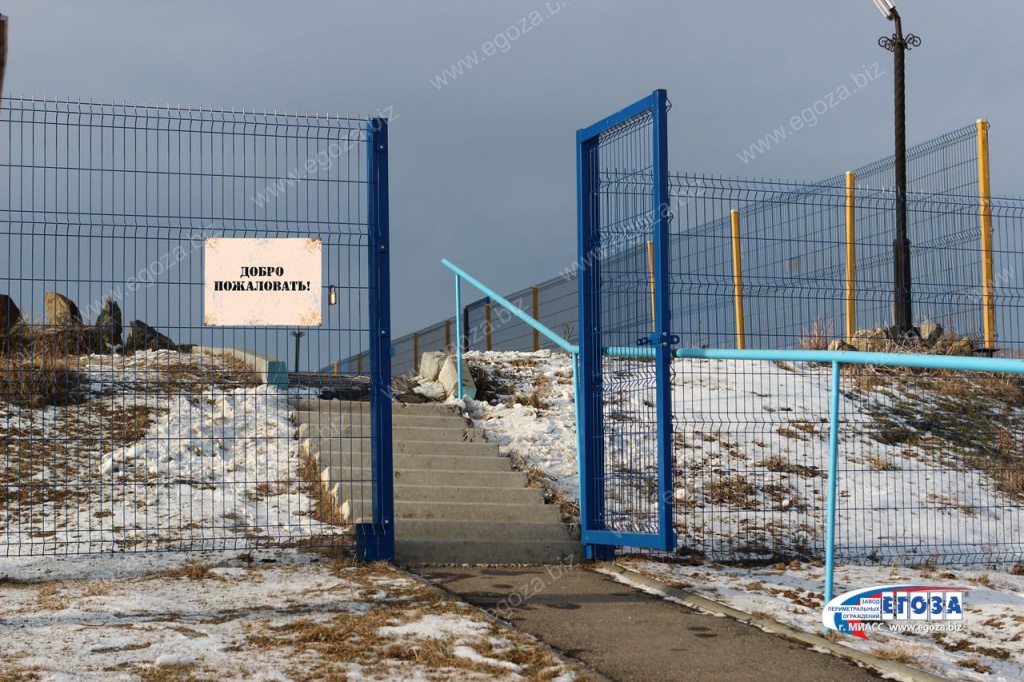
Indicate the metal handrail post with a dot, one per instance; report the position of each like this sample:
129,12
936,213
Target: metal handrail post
458,329
833,467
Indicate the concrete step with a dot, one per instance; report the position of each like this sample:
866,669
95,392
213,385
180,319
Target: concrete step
453,421
360,407
461,493
461,434
402,463
422,447
453,433
401,447
477,511
412,552
335,467
336,430
438,529
473,479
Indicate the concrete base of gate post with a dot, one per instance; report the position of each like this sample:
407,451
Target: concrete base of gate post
431,363
449,378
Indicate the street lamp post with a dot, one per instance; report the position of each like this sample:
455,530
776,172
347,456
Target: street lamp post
298,334
899,45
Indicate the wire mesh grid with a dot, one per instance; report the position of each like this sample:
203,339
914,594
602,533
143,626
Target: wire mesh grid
156,432
929,472
621,169
794,263
930,462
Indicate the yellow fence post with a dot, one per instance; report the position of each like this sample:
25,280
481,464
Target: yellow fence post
536,316
336,369
416,351
985,204
650,269
447,336
851,256
487,314
737,269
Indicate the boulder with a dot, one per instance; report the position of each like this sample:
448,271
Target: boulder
875,340
109,325
143,337
931,332
839,344
954,345
61,310
9,313
431,364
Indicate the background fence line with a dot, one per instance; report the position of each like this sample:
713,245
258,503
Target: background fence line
839,284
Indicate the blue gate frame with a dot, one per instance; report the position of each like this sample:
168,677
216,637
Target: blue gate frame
622,194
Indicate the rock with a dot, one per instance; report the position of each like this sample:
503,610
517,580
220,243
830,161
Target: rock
9,313
839,344
61,310
431,364
953,345
143,337
962,346
931,332
109,325
877,340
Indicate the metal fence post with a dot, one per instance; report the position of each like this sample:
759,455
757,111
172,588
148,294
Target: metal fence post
487,319
985,204
416,351
536,316
851,256
376,540
737,273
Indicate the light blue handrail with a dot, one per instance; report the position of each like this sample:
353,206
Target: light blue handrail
572,350
511,307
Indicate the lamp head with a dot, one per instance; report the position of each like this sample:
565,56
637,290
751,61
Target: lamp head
886,7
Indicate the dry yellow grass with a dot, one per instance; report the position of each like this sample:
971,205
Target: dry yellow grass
325,505
818,337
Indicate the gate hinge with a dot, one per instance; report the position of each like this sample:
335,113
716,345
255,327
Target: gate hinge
668,340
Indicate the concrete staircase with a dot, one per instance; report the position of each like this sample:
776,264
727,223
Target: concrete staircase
457,501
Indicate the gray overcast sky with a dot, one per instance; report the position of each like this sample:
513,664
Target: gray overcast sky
483,169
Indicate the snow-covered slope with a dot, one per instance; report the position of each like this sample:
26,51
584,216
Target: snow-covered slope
146,463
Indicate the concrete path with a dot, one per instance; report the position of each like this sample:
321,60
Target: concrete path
628,635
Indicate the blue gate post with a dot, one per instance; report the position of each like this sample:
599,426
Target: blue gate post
376,541
591,414
663,324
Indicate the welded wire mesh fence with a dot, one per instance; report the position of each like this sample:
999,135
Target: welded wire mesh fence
793,236
930,464
124,422
810,273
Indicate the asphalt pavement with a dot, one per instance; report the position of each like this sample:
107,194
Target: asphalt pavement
626,634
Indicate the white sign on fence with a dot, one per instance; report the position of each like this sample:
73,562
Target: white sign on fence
262,282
